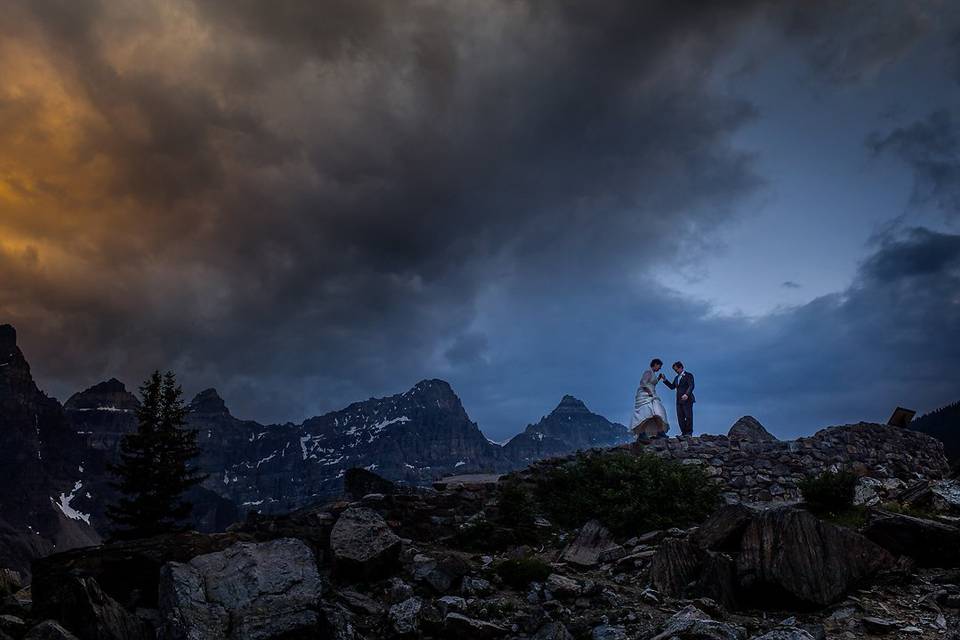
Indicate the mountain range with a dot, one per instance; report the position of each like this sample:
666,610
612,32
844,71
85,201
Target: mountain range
54,459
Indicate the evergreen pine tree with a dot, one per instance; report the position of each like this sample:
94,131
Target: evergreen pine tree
154,469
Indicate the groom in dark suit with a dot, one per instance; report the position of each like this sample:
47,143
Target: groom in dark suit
683,383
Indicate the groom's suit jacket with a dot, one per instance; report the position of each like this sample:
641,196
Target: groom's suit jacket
684,384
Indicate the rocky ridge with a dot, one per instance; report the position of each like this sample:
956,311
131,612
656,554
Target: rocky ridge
764,469
405,563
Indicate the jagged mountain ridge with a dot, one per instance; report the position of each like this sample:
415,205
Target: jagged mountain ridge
414,437
55,458
569,427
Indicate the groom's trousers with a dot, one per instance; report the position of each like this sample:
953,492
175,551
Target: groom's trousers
685,418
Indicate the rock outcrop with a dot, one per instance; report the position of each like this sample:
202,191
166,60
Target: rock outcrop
248,591
779,557
749,429
592,545
788,553
929,542
362,544
752,468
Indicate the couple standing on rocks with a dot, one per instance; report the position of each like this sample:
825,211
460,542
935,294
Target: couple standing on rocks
649,417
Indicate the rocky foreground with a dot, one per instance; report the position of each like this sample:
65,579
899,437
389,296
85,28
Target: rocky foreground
393,562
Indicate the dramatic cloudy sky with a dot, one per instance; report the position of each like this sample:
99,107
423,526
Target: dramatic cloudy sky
306,204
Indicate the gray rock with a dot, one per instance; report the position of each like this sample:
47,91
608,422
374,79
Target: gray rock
363,545
928,542
608,632
676,564
440,571
359,602
591,543
250,591
405,616
562,586
948,491
464,628
398,590
552,631
451,604
867,492
693,624
475,586
337,622
49,630
793,553
749,429
718,580
724,528
785,633
880,625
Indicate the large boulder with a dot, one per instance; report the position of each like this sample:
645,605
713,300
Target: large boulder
928,542
250,591
718,579
362,544
591,546
749,429
676,566
127,571
723,530
790,555
81,605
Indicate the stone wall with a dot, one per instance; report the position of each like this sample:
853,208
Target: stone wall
753,466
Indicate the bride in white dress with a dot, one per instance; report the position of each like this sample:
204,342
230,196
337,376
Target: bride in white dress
649,417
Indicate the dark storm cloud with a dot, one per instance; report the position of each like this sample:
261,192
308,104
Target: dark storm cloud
852,42
931,148
334,214
309,203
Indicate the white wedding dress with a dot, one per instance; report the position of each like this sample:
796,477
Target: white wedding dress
649,417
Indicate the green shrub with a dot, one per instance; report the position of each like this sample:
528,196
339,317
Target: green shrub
830,492
520,572
516,506
627,493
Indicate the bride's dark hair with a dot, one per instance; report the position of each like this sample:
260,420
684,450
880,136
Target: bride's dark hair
655,362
